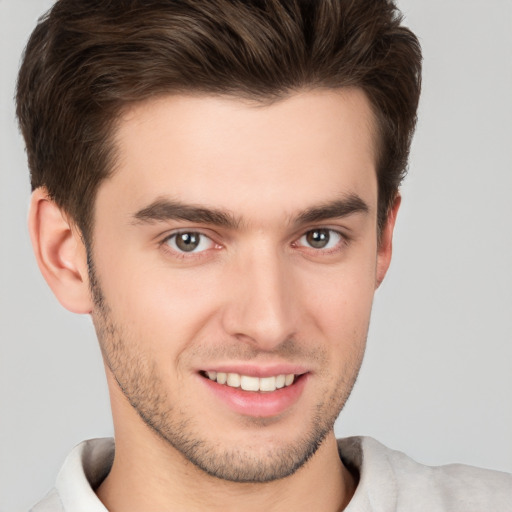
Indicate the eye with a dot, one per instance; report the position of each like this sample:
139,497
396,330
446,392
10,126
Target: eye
189,242
321,238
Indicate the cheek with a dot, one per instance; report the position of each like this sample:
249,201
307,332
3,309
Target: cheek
342,301
341,309
160,308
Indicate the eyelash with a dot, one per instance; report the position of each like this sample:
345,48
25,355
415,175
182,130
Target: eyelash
342,241
184,254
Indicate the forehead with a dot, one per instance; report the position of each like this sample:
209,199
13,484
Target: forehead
226,152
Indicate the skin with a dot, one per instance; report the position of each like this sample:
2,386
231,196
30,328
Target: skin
255,292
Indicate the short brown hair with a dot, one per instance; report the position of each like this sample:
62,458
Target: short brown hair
87,60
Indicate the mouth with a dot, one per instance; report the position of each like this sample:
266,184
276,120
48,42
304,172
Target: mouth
251,383
256,391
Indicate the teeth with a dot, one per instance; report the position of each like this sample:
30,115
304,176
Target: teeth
248,383
233,380
267,384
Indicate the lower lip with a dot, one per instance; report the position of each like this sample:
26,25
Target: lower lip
258,404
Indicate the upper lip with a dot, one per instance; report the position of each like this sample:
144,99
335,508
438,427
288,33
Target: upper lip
253,370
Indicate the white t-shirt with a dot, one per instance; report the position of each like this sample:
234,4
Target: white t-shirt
389,481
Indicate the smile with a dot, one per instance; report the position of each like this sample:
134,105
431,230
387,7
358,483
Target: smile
249,383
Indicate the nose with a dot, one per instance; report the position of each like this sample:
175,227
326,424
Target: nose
261,306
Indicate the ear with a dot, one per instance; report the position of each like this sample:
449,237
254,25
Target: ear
60,253
385,248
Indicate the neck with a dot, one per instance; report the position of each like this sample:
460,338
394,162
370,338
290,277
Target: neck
153,476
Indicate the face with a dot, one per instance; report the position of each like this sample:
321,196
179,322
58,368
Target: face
235,260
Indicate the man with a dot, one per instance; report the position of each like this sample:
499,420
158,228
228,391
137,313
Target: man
216,183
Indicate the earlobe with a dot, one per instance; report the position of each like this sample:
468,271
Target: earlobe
60,253
385,248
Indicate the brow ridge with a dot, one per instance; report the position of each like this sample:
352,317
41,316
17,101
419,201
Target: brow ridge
339,208
164,209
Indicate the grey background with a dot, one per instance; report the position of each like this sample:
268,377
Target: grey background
437,379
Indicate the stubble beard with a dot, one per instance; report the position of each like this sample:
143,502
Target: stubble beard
139,381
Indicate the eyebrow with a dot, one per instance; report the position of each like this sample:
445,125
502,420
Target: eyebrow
165,209
339,208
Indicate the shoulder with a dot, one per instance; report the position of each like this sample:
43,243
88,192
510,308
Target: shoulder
50,503
84,469
391,477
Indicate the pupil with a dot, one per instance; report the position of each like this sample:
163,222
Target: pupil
318,238
187,241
